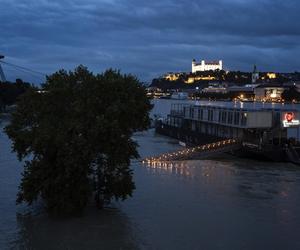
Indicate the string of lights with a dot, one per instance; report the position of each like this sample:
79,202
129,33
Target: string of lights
189,152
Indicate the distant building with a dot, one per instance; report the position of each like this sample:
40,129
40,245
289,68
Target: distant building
269,92
248,88
245,91
216,90
206,66
271,75
180,95
172,76
194,78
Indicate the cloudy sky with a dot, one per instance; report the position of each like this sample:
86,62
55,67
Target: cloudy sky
148,37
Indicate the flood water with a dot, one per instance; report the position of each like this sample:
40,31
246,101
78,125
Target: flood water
220,203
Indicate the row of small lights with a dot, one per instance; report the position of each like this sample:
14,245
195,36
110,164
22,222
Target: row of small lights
186,152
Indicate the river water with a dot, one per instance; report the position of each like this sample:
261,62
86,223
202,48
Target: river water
220,203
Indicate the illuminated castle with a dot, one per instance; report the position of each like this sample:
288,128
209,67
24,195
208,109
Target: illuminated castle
206,66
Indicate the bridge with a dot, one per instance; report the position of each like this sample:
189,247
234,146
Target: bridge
2,76
22,69
198,152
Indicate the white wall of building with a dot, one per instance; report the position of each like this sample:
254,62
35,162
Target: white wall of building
203,66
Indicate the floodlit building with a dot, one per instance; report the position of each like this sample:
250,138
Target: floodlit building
194,78
206,66
246,90
271,75
268,92
215,87
172,76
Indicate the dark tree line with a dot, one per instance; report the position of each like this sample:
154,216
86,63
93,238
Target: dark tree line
10,91
291,94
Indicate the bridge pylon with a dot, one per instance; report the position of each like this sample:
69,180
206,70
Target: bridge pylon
2,76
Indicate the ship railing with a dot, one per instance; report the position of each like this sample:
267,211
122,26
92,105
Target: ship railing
176,113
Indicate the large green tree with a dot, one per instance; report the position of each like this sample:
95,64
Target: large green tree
77,134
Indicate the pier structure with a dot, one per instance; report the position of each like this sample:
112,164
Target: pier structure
264,132
253,125
198,152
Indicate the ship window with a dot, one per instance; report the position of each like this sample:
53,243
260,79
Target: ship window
200,114
230,116
210,115
191,112
244,119
236,118
224,116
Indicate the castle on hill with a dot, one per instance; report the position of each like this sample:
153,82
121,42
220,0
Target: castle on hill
206,66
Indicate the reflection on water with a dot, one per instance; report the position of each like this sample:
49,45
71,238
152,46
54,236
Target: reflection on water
107,229
221,203
175,168
259,182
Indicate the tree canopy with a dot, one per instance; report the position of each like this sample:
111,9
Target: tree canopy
10,91
291,94
78,131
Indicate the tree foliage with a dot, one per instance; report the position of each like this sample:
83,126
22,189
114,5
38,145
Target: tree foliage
10,91
78,132
291,94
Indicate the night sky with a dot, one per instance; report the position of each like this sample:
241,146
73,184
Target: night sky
149,37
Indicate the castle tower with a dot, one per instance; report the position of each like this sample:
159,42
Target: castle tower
194,65
221,64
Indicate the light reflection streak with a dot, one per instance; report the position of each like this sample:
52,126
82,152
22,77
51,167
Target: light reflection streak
186,169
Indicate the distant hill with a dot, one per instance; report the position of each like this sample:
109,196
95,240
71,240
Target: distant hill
201,79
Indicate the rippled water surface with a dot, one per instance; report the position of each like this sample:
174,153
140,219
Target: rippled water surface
220,203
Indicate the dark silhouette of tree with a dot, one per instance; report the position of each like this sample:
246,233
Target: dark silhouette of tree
291,94
78,131
9,92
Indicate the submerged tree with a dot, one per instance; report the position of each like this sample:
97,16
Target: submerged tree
78,133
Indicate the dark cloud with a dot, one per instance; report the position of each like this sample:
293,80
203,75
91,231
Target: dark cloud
149,38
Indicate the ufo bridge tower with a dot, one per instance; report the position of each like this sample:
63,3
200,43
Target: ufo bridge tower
2,76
